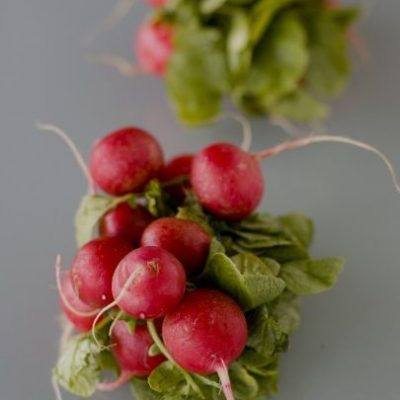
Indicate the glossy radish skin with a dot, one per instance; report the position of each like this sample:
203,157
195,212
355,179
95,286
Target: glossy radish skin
227,181
148,283
80,321
93,268
207,330
154,46
178,167
157,3
125,222
124,161
132,350
186,240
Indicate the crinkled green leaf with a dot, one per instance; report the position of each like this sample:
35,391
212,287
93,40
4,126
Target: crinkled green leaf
265,334
78,368
245,277
197,82
280,60
286,311
244,385
299,226
299,106
91,209
305,277
209,6
155,198
166,378
142,391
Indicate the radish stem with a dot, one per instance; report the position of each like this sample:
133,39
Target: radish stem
123,378
223,375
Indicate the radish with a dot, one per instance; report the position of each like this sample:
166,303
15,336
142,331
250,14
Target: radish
178,167
205,333
124,161
154,45
125,222
148,283
186,240
157,3
227,180
77,312
131,350
93,268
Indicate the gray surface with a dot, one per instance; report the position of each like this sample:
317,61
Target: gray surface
347,347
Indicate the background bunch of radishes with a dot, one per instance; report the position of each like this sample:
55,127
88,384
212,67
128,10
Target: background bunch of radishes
183,286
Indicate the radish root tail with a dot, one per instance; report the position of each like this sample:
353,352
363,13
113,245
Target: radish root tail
303,142
121,64
74,149
223,375
123,378
64,299
56,388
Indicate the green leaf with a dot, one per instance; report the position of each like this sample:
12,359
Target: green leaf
299,106
286,311
265,334
156,199
154,350
142,391
210,6
280,60
245,277
196,214
166,378
78,369
306,277
299,226
243,384
329,60
196,82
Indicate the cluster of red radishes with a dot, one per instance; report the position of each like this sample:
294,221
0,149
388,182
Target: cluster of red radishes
140,265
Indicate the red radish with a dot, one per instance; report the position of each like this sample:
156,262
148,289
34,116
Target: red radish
77,312
132,354
154,45
125,222
148,283
93,268
186,240
227,181
124,161
205,333
157,3
176,168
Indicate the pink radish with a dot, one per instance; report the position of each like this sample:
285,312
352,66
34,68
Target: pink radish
154,46
131,350
125,223
148,283
124,161
176,168
205,333
186,240
93,268
77,312
227,180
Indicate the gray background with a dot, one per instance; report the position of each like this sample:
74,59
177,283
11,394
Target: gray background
347,347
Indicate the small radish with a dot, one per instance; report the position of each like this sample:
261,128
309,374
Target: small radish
77,312
186,240
227,180
125,222
154,45
93,268
148,283
131,350
178,167
157,3
205,333
124,161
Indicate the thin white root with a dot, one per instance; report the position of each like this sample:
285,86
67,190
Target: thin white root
295,144
114,303
246,128
64,299
120,10
56,389
287,127
223,375
74,149
121,64
360,46
116,319
123,378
